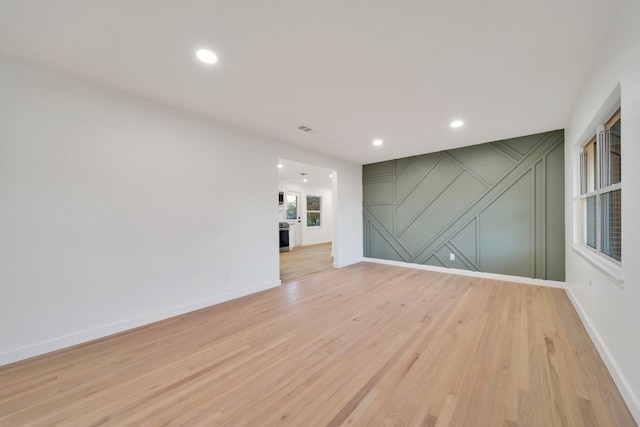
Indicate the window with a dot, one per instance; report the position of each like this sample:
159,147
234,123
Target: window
601,190
313,211
292,207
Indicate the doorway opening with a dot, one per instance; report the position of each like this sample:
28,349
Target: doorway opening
308,211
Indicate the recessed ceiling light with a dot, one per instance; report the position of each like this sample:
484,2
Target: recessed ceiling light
207,56
331,176
304,180
377,142
279,166
456,123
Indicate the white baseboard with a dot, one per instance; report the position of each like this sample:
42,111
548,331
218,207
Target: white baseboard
494,276
630,398
65,341
314,242
347,263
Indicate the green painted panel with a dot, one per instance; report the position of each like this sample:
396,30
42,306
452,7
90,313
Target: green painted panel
377,168
434,261
540,218
555,215
402,163
446,207
499,207
505,231
426,192
444,253
377,192
384,213
523,144
483,162
381,249
414,171
465,241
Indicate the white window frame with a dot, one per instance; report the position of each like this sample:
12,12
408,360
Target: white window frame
596,257
318,211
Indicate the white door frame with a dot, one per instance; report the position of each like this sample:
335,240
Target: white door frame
296,224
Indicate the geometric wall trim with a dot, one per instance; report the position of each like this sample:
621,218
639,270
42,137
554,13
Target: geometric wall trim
497,207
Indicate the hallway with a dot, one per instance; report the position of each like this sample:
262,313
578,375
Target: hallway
305,260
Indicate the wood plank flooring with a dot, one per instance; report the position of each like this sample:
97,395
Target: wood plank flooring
305,260
364,345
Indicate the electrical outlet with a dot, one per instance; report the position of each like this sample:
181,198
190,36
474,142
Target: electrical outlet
227,279
452,257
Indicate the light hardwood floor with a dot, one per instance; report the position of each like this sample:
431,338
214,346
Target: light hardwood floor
305,260
364,345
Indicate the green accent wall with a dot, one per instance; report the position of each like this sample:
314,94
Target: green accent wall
498,207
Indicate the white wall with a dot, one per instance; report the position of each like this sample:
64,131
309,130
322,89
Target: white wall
116,211
315,235
610,310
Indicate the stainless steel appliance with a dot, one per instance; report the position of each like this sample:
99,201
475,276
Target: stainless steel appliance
283,228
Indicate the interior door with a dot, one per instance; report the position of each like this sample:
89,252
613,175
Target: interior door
294,204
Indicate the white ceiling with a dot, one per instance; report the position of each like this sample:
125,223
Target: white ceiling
293,171
353,70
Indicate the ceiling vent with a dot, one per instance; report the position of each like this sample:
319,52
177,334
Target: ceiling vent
305,129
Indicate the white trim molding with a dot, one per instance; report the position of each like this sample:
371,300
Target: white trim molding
348,263
85,336
610,268
493,276
630,398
